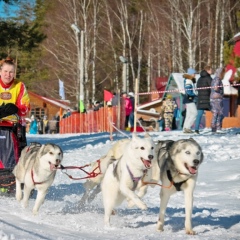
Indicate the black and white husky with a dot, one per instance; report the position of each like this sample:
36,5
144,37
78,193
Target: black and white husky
179,162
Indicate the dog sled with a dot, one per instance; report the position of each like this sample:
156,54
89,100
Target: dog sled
12,141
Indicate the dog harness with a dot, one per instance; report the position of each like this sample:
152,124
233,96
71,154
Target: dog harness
134,179
176,185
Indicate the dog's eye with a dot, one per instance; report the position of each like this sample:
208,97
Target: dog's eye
187,152
142,148
152,148
51,153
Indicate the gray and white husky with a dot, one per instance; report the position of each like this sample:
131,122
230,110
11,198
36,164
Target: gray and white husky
36,169
179,162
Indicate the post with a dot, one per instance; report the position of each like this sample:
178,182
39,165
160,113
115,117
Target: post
80,55
135,105
81,90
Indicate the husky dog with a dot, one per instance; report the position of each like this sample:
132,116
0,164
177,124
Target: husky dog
122,176
36,169
92,185
179,162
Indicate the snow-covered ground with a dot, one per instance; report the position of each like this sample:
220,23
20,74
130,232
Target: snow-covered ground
216,213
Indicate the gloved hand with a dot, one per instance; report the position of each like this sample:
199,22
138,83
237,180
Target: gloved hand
8,109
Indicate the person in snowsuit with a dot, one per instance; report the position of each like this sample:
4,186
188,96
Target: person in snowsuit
167,110
216,100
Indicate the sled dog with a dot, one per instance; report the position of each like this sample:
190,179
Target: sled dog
122,176
179,162
92,185
36,169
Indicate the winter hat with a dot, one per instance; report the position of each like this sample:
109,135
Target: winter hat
131,94
191,71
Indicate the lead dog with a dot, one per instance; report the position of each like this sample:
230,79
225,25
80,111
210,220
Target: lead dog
122,177
179,162
36,169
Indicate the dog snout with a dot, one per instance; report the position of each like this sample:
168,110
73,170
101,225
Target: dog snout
150,157
196,162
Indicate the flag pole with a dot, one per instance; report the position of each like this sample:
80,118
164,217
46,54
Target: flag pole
135,105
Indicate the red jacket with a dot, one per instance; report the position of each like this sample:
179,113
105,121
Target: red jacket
128,106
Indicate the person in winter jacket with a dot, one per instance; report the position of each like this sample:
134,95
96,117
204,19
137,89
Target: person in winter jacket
128,107
203,99
131,116
167,109
216,100
14,98
14,103
189,100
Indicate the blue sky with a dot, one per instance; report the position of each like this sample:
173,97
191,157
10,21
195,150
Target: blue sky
7,10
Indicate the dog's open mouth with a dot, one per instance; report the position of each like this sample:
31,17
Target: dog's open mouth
192,170
53,167
147,163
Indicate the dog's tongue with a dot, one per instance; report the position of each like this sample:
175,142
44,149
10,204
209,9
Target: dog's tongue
192,170
147,163
52,167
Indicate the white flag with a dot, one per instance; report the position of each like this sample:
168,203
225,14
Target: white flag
61,89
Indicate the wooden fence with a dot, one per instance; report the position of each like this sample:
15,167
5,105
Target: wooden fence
93,121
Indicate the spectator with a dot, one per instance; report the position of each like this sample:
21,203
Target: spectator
115,99
67,113
40,125
128,108
216,100
33,125
167,109
45,125
203,99
97,106
131,116
189,100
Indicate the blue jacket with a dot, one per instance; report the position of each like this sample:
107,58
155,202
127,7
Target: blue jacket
189,95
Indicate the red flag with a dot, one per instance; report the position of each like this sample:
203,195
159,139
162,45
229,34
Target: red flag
107,95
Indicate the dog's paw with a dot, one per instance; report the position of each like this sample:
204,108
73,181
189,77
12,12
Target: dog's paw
143,206
18,197
24,204
190,232
160,227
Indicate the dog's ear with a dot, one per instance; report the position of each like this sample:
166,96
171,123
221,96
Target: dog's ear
134,141
147,135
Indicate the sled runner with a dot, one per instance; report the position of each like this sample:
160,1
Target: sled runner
12,141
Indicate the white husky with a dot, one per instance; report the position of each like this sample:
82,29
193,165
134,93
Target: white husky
92,185
123,176
36,169
179,162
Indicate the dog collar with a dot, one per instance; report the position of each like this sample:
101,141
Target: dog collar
176,185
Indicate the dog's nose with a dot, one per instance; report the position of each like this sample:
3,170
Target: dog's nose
58,161
150,157
196,161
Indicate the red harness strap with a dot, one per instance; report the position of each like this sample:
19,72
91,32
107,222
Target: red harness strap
91,174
